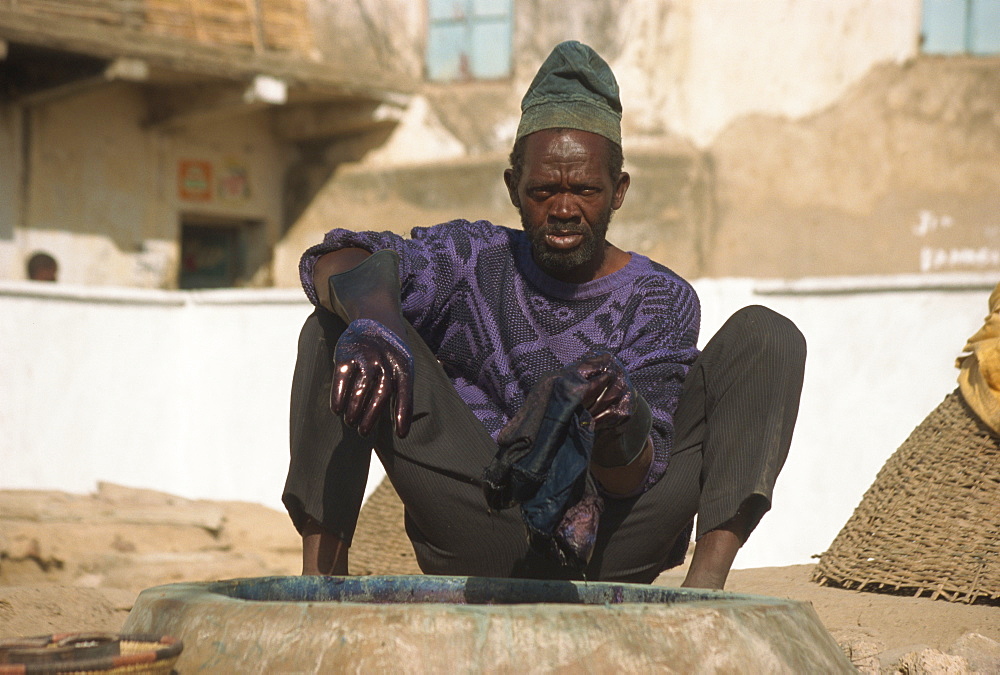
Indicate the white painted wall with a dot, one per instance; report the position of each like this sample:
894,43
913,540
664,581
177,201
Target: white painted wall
187,392
880,358
694,66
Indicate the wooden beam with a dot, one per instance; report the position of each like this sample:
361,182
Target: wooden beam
178,107
319,121
170,53
257,23
185,106
121,69
266,89
127,69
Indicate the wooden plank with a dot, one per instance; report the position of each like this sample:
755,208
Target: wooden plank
257,30
312,122
111,12
286,25
321,80
170,17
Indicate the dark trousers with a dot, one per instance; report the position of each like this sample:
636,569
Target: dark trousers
733,427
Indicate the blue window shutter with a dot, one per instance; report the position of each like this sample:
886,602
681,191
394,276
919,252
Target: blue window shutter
445,48
984,27
469,39
454,10
491,49
944,26
497,8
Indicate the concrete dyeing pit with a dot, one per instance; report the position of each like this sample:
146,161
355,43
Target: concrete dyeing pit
472,624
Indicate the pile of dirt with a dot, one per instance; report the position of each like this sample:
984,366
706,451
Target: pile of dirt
130,539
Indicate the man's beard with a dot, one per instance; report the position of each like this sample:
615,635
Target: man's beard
589,249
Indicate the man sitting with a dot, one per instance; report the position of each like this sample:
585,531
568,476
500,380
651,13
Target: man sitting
541,368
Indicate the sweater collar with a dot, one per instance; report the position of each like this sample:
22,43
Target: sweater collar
570,291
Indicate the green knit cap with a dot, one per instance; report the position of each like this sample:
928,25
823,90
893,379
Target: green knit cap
575,89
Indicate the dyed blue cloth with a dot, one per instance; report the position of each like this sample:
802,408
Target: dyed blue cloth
497,322
542,466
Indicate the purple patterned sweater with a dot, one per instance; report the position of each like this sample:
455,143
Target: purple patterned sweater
497,322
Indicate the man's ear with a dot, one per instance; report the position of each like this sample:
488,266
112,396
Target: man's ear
508,179
621,187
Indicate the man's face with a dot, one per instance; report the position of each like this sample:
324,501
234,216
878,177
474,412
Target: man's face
566,197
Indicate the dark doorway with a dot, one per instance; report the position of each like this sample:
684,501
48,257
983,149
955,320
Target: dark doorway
214,254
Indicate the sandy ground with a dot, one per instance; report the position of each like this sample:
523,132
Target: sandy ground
74,563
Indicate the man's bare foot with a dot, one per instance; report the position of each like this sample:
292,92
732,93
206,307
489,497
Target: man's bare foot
713,557
716,549
322,552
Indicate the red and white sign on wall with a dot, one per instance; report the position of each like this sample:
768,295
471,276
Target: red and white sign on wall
234,181
194,180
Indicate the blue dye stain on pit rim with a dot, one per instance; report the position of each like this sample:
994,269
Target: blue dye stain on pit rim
458,590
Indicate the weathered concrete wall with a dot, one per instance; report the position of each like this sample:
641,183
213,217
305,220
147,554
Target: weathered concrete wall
663,217
104,194
689,68
396,199
89,190
694,66
102,160
751,153
376,36
899,176
762,196
10,200
187,392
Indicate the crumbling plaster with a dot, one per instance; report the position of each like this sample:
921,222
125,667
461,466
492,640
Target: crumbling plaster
379,37
10,182
900,175
694,66
791,165
688,68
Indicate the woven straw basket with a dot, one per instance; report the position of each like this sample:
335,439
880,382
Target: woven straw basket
380,544
93,653
930,523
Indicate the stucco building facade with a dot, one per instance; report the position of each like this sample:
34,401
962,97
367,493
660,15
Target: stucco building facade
166,144
783,138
